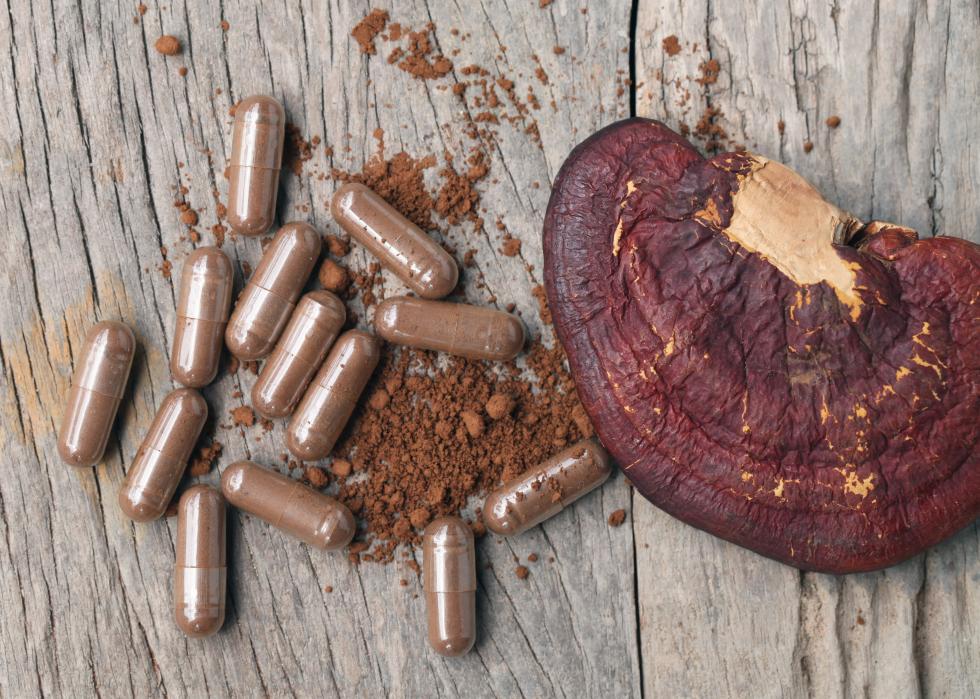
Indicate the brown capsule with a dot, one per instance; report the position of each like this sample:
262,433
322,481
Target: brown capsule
256,157
288,505
162,457
270,295
329,401
449,570
200,576
96,389
546,489
402,247
312,328
457,328
202,313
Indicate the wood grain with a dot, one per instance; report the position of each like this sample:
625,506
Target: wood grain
716,620
97,132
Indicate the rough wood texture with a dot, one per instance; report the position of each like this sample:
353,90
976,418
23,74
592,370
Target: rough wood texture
97,132
93,127
716,620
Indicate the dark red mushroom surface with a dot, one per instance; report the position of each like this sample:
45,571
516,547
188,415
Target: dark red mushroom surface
761,364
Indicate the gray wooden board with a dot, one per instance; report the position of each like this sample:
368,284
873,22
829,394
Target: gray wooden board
716,620
93,125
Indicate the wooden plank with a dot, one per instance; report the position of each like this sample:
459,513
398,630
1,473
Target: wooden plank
96,133
717,620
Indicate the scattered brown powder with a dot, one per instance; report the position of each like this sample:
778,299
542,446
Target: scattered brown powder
418,59
807,146
333,277
511,247
709,72
188,217
167,45
833,121
206,456
224,25
338,247
182,71
541,296
316,477
671,45
367,29
617,518
522,572
340,468
297,150
242,416
429,450
500,405
532,558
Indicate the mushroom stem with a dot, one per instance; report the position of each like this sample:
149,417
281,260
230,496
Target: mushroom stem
782,217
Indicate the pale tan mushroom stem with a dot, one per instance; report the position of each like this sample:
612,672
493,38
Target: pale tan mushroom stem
783,218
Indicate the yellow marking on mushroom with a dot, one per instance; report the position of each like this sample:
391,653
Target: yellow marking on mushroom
746,476
860,411
902,373
854,484
669,347
778,490
616,236
709,214
916,359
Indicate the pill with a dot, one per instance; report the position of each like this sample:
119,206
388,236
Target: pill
256,157
546,489
329,401
160,461
449,570
202,313
263,309
200,576
401,246
96,390
288,505
456,328
312,329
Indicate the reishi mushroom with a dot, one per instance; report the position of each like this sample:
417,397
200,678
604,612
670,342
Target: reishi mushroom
763,365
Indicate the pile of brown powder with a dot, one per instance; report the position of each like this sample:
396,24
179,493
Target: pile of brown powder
430,436
400,182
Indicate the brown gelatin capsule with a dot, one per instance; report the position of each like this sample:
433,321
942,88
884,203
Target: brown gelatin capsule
96,389
202,313
401,246
288,505
329,401
546,489
256,157
270,295
457,328
449,570
200,576
312,328
162,457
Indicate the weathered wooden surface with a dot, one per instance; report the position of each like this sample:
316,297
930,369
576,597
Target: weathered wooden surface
93,124
716,620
